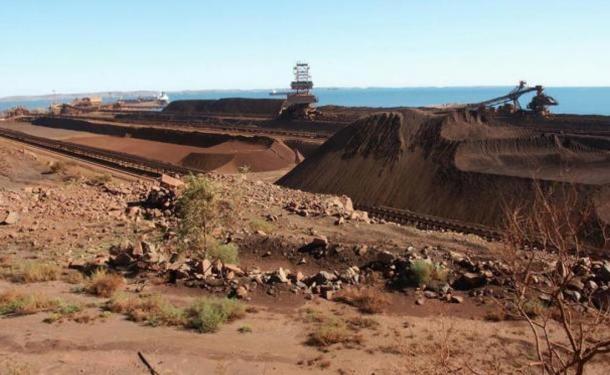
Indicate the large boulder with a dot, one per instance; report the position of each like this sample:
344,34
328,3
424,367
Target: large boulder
469,280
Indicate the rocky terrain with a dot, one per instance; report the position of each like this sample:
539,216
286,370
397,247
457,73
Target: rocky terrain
325,288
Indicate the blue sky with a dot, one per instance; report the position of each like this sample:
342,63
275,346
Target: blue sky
102,45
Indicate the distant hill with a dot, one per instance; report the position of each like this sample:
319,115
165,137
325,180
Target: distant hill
68,97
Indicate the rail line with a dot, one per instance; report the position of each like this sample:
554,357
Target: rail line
429,222
130,163
203,125
152,168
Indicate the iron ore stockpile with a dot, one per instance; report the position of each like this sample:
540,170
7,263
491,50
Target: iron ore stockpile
461,165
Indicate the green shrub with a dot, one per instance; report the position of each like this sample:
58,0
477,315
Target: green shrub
198,210
422,272
207,314
226,253
262,225
154,310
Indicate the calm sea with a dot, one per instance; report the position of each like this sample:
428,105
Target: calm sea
576,100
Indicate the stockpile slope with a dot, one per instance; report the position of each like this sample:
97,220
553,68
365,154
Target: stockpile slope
229,107
406,159
204,151
231,157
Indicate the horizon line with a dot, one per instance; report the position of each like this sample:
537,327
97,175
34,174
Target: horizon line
25,96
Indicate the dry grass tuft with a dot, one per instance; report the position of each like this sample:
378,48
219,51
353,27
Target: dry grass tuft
17,303
11,367
73,277
333,331
366,300
57,167
154,310
33,272
204,314
100,179
330,329
104,284
356,323
64,311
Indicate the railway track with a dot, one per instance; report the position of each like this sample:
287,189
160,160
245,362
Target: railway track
152,168
202,125
429,222
130,163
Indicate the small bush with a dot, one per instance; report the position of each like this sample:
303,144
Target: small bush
100,179
244,329
357,323
534,308
57,167
207,314
10,367
104,284
62,311
33,272
332,331
244,169
73,277
226,253
262,225
16,303
422,272
366,300
198,211
496,314
154,310
313,316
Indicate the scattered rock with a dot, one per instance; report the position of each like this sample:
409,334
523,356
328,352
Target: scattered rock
170,182
235,269
280,274
241,292
11,218
319,241
604,272
361,249
430,294
601,299
386,257
456,299
469,280
204,268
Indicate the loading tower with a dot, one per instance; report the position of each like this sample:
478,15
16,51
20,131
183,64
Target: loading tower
299,101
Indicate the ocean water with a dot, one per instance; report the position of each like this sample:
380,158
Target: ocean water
575,100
